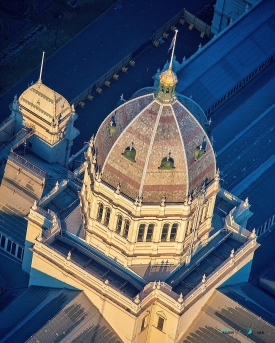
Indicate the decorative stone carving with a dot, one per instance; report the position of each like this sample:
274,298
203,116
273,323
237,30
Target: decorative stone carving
98,176
39,237
138,200
34,206
118,188
217,175
180,299
253,235
94,160
137,299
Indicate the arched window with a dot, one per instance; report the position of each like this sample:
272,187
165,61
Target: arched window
107,216
126,228
164,232
173,233
100,211
141,232
119,223
150,232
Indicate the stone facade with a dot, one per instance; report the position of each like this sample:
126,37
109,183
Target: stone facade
51,118
150,186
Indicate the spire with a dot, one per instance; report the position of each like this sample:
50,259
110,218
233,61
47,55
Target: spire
168,79
41,68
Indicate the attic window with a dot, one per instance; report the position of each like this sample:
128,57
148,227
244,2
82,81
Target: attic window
199,152
130,153
167,163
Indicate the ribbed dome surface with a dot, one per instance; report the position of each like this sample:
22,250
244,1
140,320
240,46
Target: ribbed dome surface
151,152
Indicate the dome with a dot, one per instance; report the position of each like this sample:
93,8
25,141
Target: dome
168,78
44,102
155,149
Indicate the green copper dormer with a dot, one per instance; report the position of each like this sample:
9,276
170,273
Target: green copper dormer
167,163
112,127
130,153
165,92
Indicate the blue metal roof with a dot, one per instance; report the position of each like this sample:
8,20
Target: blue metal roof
230,57
43,314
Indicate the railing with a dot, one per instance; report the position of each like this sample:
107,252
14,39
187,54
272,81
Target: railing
216,274
264,227
152,291
27,165
158,34
239,85
47,198
195,265
5,123
44,213
100,82
84,276
198,24
25,135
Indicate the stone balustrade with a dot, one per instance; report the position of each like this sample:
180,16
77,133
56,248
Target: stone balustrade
53,193
220,271
153,290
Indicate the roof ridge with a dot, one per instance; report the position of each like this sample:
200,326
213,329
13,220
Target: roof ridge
183,148
150,150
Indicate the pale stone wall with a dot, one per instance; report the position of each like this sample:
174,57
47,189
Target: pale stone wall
129,250
124,314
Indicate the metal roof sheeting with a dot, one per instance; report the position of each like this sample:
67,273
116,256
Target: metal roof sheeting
229,58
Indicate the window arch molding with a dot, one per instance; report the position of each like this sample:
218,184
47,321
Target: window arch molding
100,208
103,213
169,231
146,231
107,215
122,225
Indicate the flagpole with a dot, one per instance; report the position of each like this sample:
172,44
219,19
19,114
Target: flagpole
41,68
171,61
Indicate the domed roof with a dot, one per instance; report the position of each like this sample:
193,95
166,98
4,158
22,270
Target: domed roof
168,78
44,102
154,149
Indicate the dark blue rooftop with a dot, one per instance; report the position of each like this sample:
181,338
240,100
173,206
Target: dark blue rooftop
230,57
